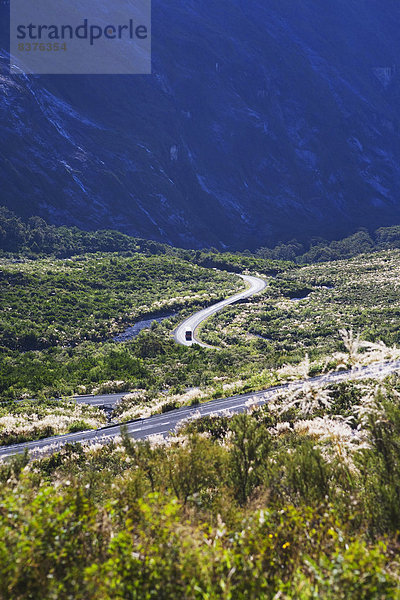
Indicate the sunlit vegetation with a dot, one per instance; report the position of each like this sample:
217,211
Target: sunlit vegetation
32,419
290,501
296,500
300,313
303,309
48,303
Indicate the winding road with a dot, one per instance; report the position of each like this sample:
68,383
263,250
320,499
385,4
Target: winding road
256,285
166,423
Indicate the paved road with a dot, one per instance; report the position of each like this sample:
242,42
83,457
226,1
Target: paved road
256,285
166,423
107,401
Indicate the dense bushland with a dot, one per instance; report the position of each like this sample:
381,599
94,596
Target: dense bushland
320,250
63,307
304,308
51,302
35,237
248,507
298,500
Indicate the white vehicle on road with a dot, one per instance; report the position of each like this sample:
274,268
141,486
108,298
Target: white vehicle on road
190,325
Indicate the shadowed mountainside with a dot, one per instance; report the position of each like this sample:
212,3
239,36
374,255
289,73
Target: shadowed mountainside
261,120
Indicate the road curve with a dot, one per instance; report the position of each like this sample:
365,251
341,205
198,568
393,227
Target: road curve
192,323
166,423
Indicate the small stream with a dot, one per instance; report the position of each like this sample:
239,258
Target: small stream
299,298
308,293
133,331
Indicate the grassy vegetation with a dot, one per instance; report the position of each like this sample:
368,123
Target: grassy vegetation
49,303
298,500
63,306
32,419
304,309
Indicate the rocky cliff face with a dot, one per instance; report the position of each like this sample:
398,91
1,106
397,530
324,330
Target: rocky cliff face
263,120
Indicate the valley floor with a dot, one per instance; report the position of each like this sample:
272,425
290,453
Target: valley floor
297,497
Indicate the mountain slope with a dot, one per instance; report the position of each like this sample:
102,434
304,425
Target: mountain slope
263,120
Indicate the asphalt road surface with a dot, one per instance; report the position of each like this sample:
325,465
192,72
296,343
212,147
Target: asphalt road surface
256,285
166,423
101,401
